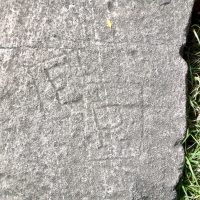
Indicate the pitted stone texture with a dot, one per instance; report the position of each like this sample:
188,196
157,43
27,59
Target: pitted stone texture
87,111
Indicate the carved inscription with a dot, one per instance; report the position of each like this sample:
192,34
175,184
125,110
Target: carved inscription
108,117
113,123
108,124
68,75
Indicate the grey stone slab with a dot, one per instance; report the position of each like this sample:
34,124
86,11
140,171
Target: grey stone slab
87,111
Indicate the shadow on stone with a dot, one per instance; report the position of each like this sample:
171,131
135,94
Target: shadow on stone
188,53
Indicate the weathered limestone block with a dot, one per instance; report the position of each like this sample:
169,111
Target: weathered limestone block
88,111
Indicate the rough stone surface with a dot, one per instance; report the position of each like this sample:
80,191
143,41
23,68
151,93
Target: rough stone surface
90,112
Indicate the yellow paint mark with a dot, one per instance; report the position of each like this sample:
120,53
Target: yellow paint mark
109,23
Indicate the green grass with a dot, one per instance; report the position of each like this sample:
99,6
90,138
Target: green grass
189,184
